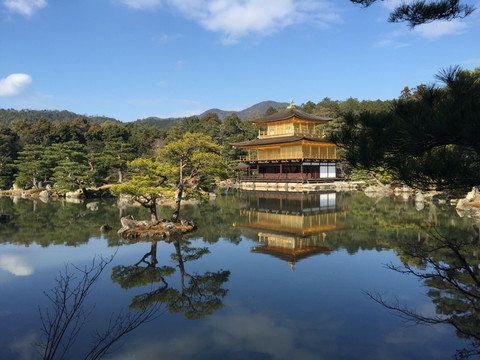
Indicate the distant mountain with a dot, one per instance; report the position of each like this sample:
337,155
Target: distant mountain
9,115
252,111
56,116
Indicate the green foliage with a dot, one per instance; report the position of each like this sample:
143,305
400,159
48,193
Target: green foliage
30,166
115,156
427,139
8,153
422,12
69,164
58,222
147,183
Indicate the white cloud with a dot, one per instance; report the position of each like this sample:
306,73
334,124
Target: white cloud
440,28
16,264
392,4
239,18
24,7
235,19
142,4
393,39
15,84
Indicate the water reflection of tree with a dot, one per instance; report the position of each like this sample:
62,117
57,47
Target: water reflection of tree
448,262
198,294
57,222
68,314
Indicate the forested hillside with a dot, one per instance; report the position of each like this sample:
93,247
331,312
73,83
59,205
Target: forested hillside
81,152
7,116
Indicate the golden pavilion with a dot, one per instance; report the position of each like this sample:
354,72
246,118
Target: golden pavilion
289,148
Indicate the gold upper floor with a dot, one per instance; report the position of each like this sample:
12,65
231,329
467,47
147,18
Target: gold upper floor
290,128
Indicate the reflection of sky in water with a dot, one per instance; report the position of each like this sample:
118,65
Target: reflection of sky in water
18,265
317,311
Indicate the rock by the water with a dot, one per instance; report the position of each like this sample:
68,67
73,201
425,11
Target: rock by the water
128,222
132,229
105,228
470,206
472,195
74,194
419,197
93,206
45,194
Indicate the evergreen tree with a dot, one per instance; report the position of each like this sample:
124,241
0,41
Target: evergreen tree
419,12
427,139
8,152
188,159
116,155
71,168
31,167
147,184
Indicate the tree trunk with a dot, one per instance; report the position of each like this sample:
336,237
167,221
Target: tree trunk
178,201
120,176
153,211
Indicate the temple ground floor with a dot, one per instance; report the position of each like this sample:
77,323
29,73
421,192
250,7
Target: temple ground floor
289,175
305,170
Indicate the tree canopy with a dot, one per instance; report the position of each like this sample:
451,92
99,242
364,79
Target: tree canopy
419,12
429,138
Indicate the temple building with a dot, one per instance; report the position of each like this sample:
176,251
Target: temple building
289,149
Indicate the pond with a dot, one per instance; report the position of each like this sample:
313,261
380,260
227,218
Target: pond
265,276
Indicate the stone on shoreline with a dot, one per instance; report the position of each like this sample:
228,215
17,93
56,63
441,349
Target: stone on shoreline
470,205
133,229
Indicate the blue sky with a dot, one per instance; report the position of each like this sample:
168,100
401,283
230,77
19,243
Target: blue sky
131,59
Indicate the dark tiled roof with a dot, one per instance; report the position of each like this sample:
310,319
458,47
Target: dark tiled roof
278,140
290,113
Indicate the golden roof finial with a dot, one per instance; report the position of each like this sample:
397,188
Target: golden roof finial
291,106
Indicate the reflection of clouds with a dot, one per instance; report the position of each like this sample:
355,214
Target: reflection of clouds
16,264
409,335
239,335
24,347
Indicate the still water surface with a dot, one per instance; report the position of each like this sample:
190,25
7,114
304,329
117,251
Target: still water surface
265,276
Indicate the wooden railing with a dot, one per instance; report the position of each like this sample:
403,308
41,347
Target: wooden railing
262,134
307,178
248,158
299,155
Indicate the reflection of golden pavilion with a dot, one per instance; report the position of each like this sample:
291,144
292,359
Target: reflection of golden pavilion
291,226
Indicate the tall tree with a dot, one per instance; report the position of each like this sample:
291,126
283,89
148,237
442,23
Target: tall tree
427,139
189,158
71,168
147,184
8,152
116,155
30,166
417,12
